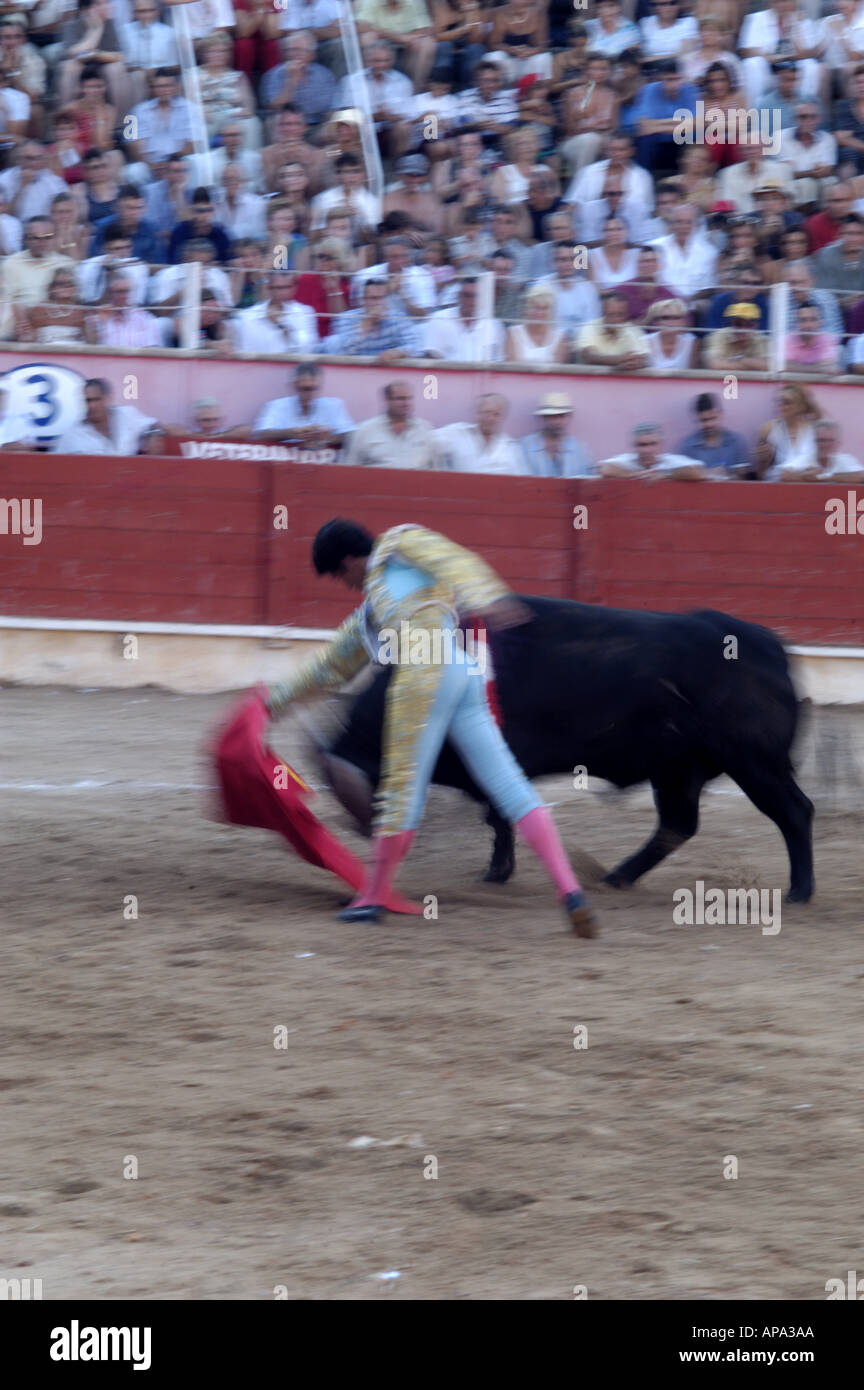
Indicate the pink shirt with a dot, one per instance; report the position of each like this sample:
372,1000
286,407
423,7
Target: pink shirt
816,347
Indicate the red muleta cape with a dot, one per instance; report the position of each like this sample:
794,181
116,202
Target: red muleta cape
248,773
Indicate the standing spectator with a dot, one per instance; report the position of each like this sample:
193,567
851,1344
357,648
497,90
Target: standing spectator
612,341
809,348
713,445
306,418
458,335
552,451
482,447
396,439
280,324
370,331
28,274
106,428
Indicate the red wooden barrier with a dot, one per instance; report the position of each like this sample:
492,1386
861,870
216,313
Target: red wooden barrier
145,539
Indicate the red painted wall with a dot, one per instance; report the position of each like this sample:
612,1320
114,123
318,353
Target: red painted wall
146,539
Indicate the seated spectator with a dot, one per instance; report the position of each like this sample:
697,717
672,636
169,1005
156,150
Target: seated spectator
740,346
200,225
14,112
576,298
439,262
809,348
556,230
63,157
411,289
391,98
829,463
285,245
22,65
290,146
636,182
612,33
96,119
614,261
741,249
147,44
256,47
794,248
648,461
93,274
106,428
11,232
710,50
537,339
280,324
27,275
396,439
849,125
482,447
307,418
504,223
688,260
97,193
612,341
799,277
231,150
810,152
72,237
60,319
748,290
27,186
552,451
592,217
327,287
90,36
738,183
840,266
791,437
349,192
711,444
667,32
459,335
758,42
299,80
369,331
436,113
588,113
508,286
16,430
168,285
490,107
510,182
225,94
413,196
696,178
408,25
568,65
543,200
776,216
161,126
213,331
166,202
826,226
130,220
459,33
520,32
646,287
671,348
241,213
119,323
658,115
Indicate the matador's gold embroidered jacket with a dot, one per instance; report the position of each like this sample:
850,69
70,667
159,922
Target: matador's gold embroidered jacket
458,580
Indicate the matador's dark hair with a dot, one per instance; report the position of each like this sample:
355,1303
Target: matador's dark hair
339,540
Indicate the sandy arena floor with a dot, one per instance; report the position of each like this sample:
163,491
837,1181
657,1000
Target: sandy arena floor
451,1038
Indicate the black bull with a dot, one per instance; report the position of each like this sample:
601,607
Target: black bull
674,700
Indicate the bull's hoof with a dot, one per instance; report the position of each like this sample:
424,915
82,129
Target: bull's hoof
616,880
371,913
580,915
494,874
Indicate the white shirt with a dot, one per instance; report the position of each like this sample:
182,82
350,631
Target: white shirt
126,424
687,269
17,106
830,31
666,464
761,31
317,14
801,453
445,334
165,283
363,204
16,429
285,413
462,448
374,445
418,287
823,151
841,464
149,45
164,131
92,278
679,358
736,183
250,160
663,43
207,15
10,234
254,332
576,301
636,184
248,217
393,92
37,197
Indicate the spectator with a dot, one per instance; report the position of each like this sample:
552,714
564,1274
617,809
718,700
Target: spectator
200,226
411,289
436,111
168,285
614,262
407,24
22,66
552,451
508,287
28,274
658,115
213,332
520,31
459,33
307,418
849,125
349,192
119,324
130,220
391,98
611,33
635,182
232,150
740,346
327,288
72,237
413,196
666,33
738,183
161,126
241,213
511,181
27,186
60,319
576,299
748,289
809,348
711,52
300,81
482,447
840,266
93,274
568,65
790,438
711,444
670,348
645,288
782,30
488,108
537,339
459,335
97,194
829,463
589,113
826,226
648,461
280,324
369,331
688,261
225,94
504,237
285,246
612,341
96,119
810,152
147,44
166,202
396,439
209,423
801,291
90,35
557,230
106,428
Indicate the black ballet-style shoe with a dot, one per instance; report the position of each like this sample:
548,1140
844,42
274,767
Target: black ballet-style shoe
580,914
372,913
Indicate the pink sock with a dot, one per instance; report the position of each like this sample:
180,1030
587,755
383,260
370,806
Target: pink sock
538,829
388,851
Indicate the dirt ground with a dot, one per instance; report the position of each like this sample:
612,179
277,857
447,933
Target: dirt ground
450,1040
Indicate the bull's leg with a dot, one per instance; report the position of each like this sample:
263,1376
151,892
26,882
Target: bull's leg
677,805
503,860
781,799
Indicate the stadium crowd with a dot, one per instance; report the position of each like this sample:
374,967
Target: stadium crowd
619,183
